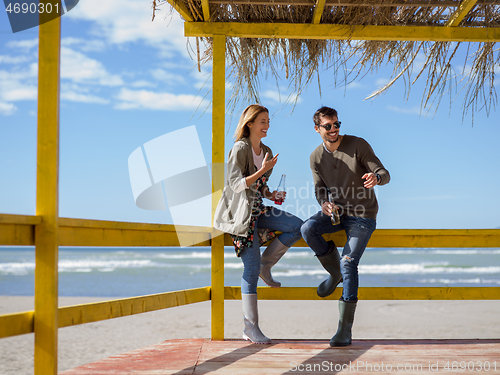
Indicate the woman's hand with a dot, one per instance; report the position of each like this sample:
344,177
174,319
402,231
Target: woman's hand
281,195
268,164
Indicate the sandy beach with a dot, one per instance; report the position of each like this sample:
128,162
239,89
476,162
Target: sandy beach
278,319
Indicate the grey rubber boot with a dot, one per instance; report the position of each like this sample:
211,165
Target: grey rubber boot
343,337
331,263
269,258
252,331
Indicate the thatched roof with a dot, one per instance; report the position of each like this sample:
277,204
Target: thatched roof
447,22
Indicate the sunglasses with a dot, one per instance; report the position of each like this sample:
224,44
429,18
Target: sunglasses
329,126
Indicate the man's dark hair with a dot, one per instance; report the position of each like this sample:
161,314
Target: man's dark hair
323,112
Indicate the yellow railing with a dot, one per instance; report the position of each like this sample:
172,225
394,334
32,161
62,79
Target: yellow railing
19,230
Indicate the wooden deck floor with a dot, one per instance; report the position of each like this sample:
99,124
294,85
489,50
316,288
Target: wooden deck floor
203,356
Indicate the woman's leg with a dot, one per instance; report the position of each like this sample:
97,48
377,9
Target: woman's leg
251,268
275,219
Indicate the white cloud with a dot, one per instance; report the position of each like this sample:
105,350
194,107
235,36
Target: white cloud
168,77
73,96
7,108
79,68
125,21
23,44
5,59
409,111
84,45
19,84
142,83
277,97
143,99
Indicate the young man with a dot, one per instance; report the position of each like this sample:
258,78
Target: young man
345,170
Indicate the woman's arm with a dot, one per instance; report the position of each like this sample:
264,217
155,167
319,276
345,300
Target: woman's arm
266,165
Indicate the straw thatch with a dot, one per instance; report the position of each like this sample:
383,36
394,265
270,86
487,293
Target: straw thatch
448,67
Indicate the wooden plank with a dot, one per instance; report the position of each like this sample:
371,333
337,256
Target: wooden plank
340,3
94,312
182,9
299,356
17,234
318,11
16,324
374,293
343,32
47,195
462,10
20,219
218,157
206,10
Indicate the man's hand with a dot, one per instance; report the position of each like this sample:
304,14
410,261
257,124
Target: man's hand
327,208
371,180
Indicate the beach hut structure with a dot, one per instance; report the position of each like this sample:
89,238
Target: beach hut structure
235,28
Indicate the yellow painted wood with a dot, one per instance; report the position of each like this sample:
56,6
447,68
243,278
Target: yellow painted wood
328,31
20,219
366,293
206,10
218,132
462,10
181,7
16,324
22,323
80,232
47,186
94,312
418,238
318,11
17,234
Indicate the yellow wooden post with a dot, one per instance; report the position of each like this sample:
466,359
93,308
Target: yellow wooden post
218,126
46,233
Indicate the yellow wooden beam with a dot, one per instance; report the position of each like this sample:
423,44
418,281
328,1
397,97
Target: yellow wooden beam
375,293
16,324
206,10
328,31
47,198
22,323
183,10
418,238
80,232
318,11
94,312
218,132
462,10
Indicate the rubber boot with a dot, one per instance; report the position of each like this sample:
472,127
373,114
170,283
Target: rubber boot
269,258
343,337
331,263
252,331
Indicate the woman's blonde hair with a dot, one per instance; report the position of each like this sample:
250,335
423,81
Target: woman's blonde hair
249,115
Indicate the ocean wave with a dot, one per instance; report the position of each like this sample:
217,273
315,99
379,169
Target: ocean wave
411,268
475,281
444,251
18,269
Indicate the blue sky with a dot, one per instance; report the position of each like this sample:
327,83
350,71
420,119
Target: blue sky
126,80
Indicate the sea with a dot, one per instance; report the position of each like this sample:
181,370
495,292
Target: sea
128,272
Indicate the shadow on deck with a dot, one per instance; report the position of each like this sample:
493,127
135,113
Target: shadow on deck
203,356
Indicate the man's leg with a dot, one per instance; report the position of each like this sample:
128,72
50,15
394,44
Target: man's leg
359,231
327,253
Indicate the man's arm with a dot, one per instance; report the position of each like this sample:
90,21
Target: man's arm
372,164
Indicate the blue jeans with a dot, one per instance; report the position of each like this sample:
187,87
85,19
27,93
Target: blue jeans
358,231
274,219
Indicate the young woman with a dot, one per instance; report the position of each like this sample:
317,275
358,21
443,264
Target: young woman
242,214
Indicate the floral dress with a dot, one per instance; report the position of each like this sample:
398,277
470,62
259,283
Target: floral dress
240,242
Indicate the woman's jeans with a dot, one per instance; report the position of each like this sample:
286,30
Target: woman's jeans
274,219
358,231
